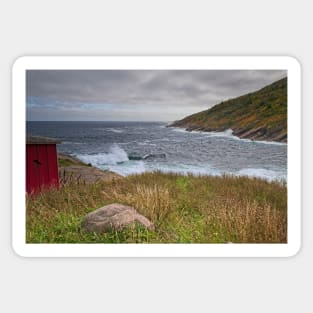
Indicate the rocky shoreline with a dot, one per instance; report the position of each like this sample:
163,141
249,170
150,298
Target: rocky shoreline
72,169
258,133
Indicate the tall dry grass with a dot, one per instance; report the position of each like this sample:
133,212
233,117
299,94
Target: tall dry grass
151,201
200,209
245,222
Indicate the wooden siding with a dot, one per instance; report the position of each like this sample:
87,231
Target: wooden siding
41,167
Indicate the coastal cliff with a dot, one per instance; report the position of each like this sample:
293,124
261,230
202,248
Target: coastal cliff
259,115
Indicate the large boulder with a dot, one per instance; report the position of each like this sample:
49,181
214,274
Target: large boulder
114,216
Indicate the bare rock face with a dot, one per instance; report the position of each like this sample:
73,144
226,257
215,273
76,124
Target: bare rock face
114,216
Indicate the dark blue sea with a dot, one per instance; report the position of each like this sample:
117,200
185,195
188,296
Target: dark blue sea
136,147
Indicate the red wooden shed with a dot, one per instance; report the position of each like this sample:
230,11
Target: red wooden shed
41,164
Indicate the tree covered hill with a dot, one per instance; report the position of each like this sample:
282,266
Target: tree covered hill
259,115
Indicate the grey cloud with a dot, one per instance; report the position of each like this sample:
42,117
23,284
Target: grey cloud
174,93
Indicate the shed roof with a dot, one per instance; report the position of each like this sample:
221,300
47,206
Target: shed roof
41,140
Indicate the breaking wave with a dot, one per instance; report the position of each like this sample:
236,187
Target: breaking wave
115,155
127,168
114,130
227,133
117,160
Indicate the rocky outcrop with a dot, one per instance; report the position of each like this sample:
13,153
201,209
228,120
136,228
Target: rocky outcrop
114,216
85,174
261,133
72,169
154,156
147,156
258,133
260,115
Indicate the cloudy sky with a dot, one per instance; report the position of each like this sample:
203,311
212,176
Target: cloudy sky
134,95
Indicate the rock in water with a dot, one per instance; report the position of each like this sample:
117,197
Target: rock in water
114,216
154,156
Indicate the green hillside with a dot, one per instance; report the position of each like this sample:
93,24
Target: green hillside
259,115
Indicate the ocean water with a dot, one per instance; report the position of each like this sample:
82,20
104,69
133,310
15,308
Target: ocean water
136,147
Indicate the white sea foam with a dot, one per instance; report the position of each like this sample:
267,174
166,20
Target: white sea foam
127,168
114,130
185,169
146,143
116,160
140,166
259,141
269,175
180,130
270,142
227,133
115,155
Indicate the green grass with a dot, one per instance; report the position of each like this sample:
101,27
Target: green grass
184,209
68,162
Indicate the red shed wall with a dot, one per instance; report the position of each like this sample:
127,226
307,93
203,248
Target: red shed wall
41,167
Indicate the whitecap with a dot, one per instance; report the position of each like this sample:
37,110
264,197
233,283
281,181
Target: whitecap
146,143
227,133
184,169
115,155
114,130
127,168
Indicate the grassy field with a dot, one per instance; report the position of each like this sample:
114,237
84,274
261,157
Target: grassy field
185,209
